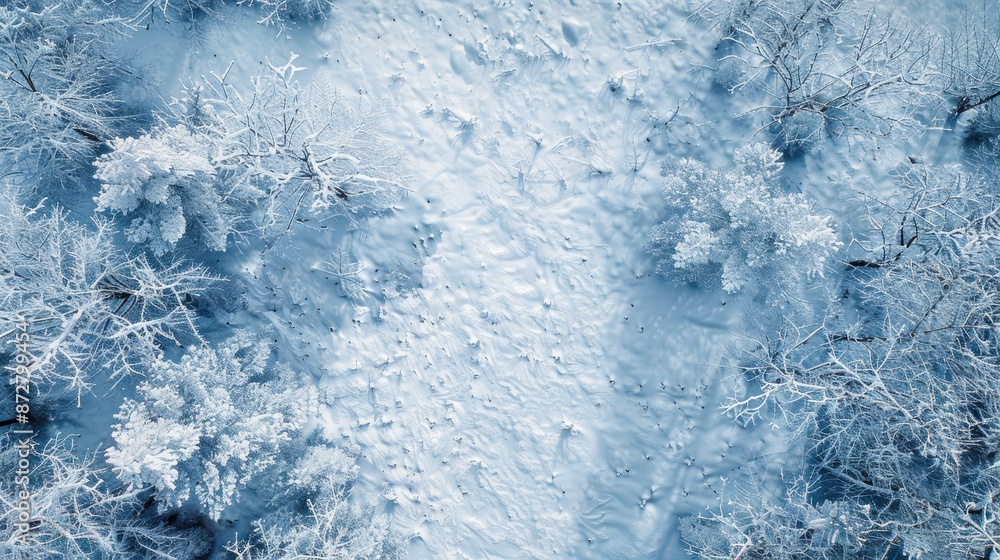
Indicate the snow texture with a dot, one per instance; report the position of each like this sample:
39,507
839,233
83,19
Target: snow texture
519,381
445,223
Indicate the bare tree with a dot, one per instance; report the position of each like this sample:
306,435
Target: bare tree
299,146
970,64
894,392
756,521
280,12
90,308
73,514
182,10
57,102
332,528
826,67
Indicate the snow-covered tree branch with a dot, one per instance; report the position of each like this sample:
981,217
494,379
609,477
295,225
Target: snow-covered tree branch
75,515
166,185
280,12
332,528
299,146
827,68
326,524
970,63
91,308
894,393
57,101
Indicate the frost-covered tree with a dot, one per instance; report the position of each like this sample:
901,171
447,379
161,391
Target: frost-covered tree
326,525
298,145
826,66
57,100
169,10
165,185
279,12
894,393
332,528
788,523
90,308
74,514
206,425
220,151
322,467
737,225
970,63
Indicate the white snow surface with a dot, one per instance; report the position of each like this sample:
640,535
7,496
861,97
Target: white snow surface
521,384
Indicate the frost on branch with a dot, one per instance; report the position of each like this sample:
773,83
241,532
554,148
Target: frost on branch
76,515
322,467
298,145
169,188
57,99
737,226
179,10
313,516
825,67
279,12
150,448
331,528
970,63
164,183
752,522
893,395
205,426
317,518
90,308
325,524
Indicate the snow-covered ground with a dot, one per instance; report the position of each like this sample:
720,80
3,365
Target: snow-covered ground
521,384
496,353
